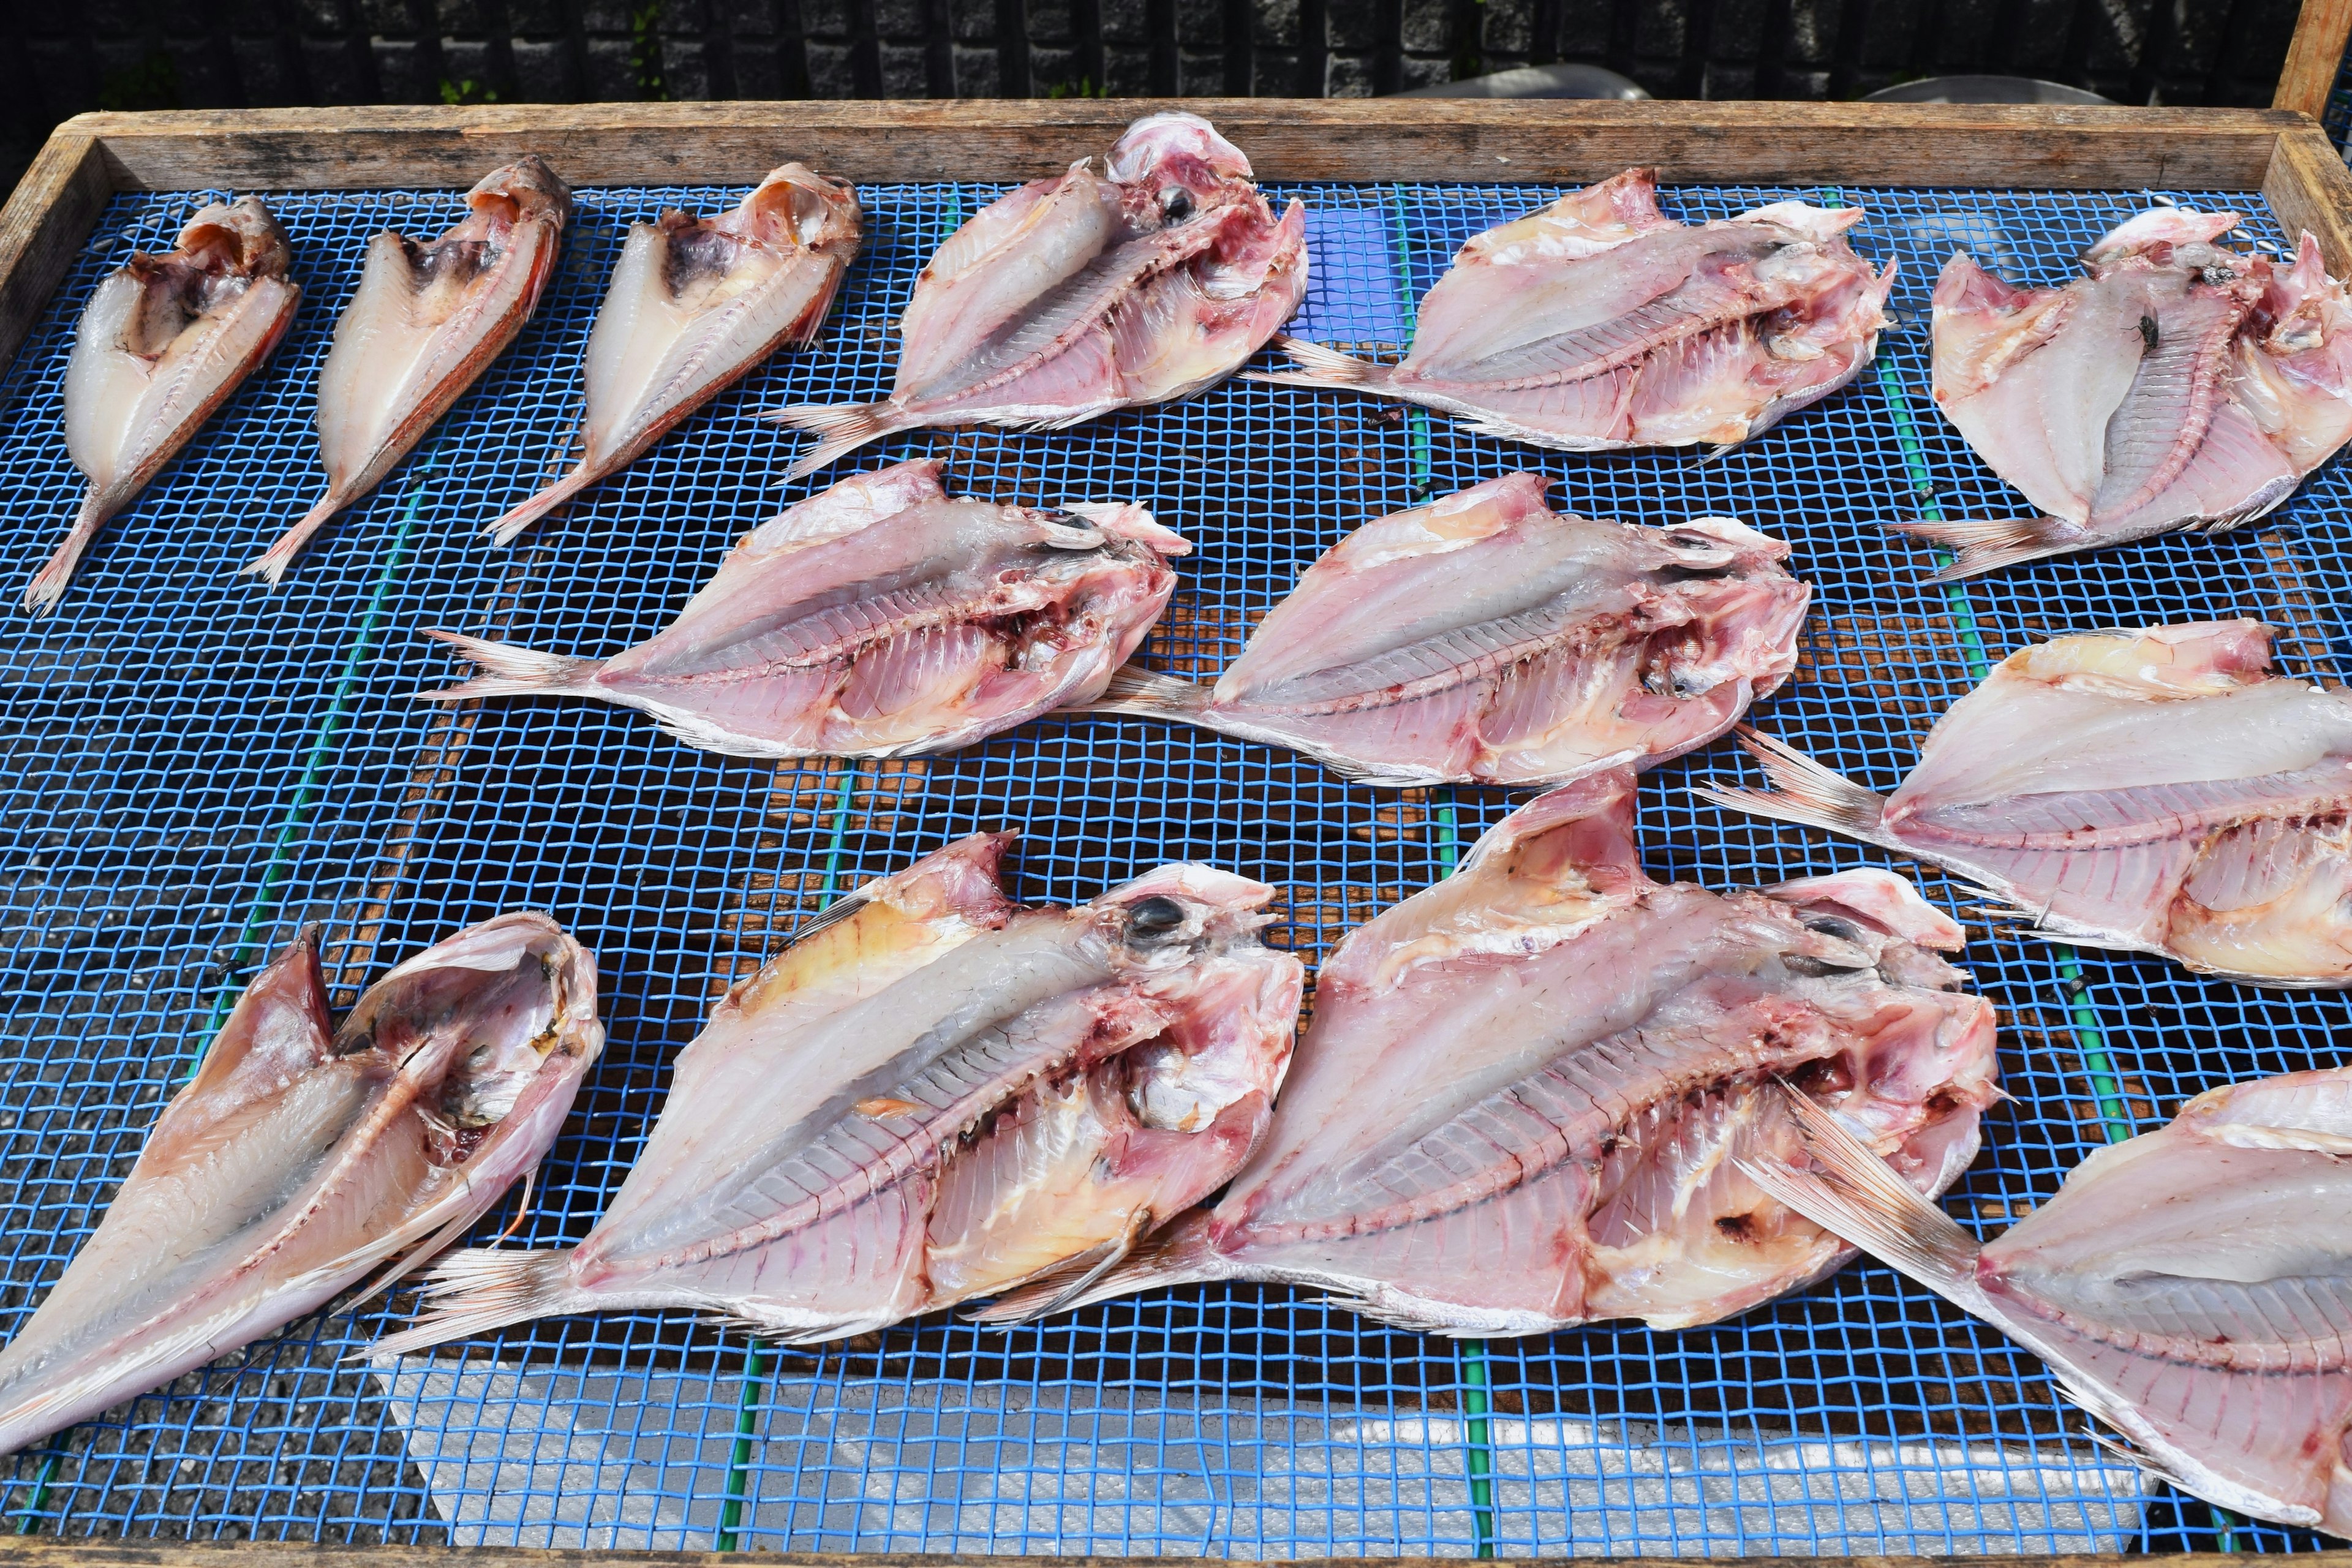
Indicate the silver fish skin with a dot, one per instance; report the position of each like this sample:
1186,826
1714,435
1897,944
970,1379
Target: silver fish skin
2177,386
881,618
301,1157
2190,1287
1599,322
1520,1101
934,1094
2153,791
427,320
1081,294
1482,638
165,339
694,305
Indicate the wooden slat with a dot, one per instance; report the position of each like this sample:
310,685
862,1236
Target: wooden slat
1437,139
2308,187
2314,58
44,225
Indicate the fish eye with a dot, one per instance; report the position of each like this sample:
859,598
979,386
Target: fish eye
1155,916
1832,925
1177,204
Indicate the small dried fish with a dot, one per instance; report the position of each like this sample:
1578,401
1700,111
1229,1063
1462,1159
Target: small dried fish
1482,638
164,340
1601,322
934,1094
1076,295
2190,1287
300,1158
426,321
695,304
2158,791
1520,1101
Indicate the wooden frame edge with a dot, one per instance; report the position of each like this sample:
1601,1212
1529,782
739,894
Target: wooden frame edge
2314,57
48,219
2309,188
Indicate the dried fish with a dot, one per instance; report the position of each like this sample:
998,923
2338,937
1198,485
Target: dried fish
426,321
1484,639
164,340
934,1094
880,619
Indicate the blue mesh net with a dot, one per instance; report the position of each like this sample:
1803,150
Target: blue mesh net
199,765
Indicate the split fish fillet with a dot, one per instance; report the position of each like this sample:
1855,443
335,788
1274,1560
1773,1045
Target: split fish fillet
2158,791
1522,1098
303,1156
1482,638
1080,294
165,339
934,1094
695,304
2191,1287
878,619
2179,386
1601,322
426,321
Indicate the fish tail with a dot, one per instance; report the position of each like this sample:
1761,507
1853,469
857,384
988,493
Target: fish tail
505,530
509,669
482,1289
1320,366
840,428
1989,545
48,584
1804,791
1181,1255
1150,696
271,563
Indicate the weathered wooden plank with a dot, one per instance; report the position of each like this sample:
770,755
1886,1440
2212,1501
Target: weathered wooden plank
2314,57
2308,187
34,1552
43,227
1946,145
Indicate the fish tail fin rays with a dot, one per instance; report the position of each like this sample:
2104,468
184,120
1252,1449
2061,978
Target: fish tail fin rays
48,584
1320,366
840,428
1180,1255
483,1289
271,564
506,529
1989,545
1146,695
1804,791
509,669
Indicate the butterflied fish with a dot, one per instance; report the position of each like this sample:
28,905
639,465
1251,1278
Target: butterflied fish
1484,639
164,340
2177,386
934,1094
1601,322
427,320
694,305
2190,1287
1078,295
878,619
2158,791
301,1157
1522,1098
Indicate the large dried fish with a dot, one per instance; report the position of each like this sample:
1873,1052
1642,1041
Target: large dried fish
1601,322
427,320
1482,638
1078,295
695,304
932,1094
880,619
1521,1099
302,1157
164,340
2190,1286
2158,791
2179,386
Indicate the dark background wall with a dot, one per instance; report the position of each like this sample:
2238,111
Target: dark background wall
58,57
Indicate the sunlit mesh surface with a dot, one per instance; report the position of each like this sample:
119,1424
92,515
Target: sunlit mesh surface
197,767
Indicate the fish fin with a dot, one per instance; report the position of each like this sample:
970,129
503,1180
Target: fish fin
1989,545
416,1256
1320,366
482,1289
509,670
271,563
1069,1280
505,530
48,584
1804,791
833,915
1149,695
840,428
1178,1255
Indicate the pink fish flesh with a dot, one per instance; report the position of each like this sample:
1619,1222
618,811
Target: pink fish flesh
1078,295
1601,322
2191,1287
164,340
301,1157
695,304
878,619
2179,386
934,1094
1521,1099
426,321
1484,639
2158,791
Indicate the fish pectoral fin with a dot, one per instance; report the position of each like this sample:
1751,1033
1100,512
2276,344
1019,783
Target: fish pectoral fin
1021,1297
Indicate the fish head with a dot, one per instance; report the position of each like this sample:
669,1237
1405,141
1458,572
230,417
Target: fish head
1174,167
524,188
1170,916
239,238
796,208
